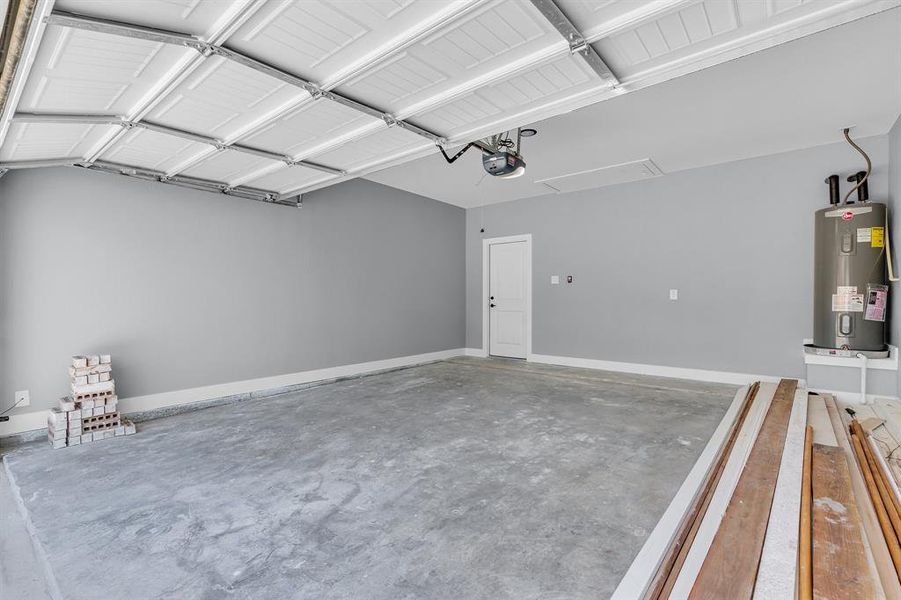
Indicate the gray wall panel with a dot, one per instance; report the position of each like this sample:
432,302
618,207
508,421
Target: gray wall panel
735,239
188,288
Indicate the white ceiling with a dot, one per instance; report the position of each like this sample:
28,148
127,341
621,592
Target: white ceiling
796,95
268,87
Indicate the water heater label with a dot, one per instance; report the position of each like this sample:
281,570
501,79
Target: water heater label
863,234
847,302
847,215
877,296
878,237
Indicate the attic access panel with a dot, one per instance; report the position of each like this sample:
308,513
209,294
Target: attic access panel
602,176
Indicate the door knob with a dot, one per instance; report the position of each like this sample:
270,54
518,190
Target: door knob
492,305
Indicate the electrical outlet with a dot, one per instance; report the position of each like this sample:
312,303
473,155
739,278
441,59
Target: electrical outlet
674,294
23,398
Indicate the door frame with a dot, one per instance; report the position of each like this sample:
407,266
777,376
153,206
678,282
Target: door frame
486,258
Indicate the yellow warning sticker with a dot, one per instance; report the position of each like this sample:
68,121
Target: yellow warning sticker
877,237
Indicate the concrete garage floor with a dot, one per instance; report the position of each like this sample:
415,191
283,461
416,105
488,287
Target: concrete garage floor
468,478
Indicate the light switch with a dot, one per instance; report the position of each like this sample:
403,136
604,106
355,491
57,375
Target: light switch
555,280
674,294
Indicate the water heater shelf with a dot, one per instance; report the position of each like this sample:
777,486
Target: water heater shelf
884,360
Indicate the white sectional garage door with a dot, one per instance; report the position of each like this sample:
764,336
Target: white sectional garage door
271,98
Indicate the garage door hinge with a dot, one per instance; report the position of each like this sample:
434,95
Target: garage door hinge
204,48
577,44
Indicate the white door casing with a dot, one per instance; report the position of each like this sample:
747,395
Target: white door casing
507,296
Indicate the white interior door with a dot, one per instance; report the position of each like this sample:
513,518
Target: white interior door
507,299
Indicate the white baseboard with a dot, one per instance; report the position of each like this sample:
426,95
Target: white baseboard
656,370
852,397
31,421
478,352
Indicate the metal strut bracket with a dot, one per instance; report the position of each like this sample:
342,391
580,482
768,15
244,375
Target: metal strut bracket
577,42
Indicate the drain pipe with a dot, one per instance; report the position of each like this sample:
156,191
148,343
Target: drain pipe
863,377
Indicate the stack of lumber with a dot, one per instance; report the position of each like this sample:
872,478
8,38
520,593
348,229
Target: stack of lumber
91,412
843,553
794,497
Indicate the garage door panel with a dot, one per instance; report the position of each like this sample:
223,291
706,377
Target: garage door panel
79,71
193,17
694,28
312,124
222,98
557,80
153,150
319,39
36,141
289,179
380,146
230,166
470,48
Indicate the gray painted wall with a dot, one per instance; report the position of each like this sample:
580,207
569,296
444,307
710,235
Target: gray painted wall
735,239
188,288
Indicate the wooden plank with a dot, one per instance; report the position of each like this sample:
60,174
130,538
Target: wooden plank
730,568
818,417
840,569
805,549
886,470
881,558
723,492
884,522
778,573
891,504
